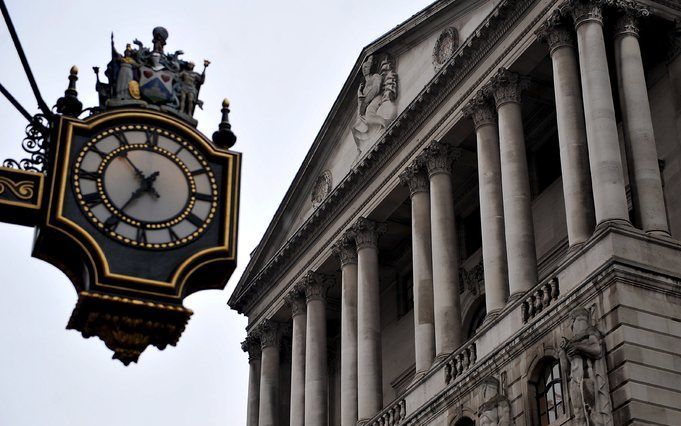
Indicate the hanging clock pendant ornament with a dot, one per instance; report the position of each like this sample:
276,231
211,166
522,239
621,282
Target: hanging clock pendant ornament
135,205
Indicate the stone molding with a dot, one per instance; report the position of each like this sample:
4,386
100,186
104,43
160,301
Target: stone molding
415,178
481,110
555,33
507,86
583,11
316,285
471,53
367,233
251,345
296,300
346,250
439,156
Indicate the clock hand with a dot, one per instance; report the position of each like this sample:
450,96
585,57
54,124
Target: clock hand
138,172
135,195
148,184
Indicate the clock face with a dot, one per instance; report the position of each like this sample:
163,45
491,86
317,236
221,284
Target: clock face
145,187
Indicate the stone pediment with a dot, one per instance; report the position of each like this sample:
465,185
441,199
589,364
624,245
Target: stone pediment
388,76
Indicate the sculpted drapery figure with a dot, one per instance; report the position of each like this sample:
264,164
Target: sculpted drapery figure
191,83
582,356
376,106
496,410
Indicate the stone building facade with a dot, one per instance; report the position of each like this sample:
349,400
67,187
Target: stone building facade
485,230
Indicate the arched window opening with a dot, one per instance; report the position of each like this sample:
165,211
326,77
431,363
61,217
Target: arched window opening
476,320
465,421
548,391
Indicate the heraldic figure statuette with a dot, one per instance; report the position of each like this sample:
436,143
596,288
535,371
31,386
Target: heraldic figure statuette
150,78
376,101
583,358
496,410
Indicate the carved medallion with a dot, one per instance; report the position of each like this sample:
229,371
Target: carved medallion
322,188
445,46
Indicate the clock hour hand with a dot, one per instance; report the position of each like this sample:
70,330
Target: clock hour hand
148,185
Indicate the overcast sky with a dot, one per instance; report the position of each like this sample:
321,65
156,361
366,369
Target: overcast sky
281,64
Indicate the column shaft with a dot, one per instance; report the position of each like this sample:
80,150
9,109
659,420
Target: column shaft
639,137
269,375
347,252
518,224
491,204
369,364
422,267
316,373
296,301
610,201
445,249
252,346
574,157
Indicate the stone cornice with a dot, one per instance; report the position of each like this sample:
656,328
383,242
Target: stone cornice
471,52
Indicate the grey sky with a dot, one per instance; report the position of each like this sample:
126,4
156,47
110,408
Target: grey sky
281,64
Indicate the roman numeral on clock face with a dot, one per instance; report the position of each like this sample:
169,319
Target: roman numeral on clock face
84,174
92,199
173,236
203,197
152,138
195,220
141,236
112,222
122,139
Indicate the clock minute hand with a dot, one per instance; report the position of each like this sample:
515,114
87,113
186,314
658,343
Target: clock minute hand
135,195
138,172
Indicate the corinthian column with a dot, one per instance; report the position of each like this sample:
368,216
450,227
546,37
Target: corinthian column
296,300
346,250
574,157
674,72
438,158
422,266
270,336
607,178
369,367
522,258
316,375
252,346
491,203
638,124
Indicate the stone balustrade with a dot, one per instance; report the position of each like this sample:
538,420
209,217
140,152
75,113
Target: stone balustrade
539,299
459,362
393,415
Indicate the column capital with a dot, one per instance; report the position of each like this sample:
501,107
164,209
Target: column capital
585,11
507,86
316,285
345,249
628,16
269,333
367,232
295,298
481,110
251,345
555,33
414,177
438,157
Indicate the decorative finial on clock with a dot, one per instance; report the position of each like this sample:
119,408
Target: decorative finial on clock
69,103
224,137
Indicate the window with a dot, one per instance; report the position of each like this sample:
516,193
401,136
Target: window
476,320
549,393
464,421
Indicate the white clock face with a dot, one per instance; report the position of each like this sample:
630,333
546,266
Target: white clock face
145,187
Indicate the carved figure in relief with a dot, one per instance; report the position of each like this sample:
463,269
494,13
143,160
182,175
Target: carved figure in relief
496,410
376,107
582,356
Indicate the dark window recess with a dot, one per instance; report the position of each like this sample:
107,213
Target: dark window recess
471,233
549,394
476,320
464,421
545,165
405,293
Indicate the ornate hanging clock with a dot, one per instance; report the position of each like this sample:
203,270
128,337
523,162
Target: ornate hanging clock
139,209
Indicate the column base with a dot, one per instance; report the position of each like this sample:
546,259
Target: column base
659,233
441,357
491,316
576,247
419,375
613,222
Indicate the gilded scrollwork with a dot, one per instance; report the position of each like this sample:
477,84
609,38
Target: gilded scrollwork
22,190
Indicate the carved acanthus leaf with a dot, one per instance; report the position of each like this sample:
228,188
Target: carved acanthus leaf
507,86
481,110
367,232
415,177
